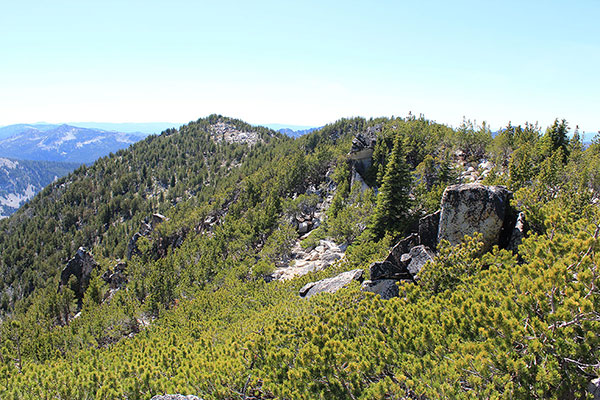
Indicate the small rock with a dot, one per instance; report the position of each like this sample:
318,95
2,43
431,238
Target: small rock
386,288
175,397
117,280
303,228
419,255
405,259
329,257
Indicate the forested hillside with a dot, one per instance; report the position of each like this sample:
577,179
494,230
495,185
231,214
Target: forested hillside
162,268
20,180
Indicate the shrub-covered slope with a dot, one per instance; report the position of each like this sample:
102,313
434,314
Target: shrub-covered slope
199,314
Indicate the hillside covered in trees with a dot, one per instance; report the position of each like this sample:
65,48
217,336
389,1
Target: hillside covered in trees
165,268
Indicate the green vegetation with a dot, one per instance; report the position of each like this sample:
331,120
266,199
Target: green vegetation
393,202
198,317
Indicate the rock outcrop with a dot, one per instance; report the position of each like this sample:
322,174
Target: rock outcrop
470,208
161,245
81,267
331,285
116,277
465,209
226,132
363,145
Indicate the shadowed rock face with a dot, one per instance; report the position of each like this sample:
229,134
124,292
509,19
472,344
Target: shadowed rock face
81,266
471,208
429,226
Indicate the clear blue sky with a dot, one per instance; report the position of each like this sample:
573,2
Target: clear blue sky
300,62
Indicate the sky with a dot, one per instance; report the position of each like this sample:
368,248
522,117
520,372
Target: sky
304,63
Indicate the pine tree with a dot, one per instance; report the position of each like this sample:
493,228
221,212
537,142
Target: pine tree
393,202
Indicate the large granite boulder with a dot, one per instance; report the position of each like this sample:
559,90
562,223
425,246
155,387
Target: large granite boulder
470,208
331,285
386,288
80,266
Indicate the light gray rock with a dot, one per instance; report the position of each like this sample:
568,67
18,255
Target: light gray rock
331,285
419,255
357,178
303,228
471,208
386,288
175,397
330,257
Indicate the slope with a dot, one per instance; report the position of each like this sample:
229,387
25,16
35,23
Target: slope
20,180
198,316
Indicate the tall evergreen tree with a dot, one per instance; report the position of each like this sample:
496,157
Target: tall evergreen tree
556,138
393,202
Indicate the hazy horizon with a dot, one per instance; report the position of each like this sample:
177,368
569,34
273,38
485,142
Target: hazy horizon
303,64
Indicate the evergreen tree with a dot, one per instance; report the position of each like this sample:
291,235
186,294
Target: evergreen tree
393,203
556,138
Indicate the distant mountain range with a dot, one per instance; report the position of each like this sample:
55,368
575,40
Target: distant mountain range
21,180
142,128
64,143
298,133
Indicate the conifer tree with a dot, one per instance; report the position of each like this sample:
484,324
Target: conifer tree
393,202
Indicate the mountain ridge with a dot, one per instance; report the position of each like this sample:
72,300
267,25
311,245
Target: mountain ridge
63,143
